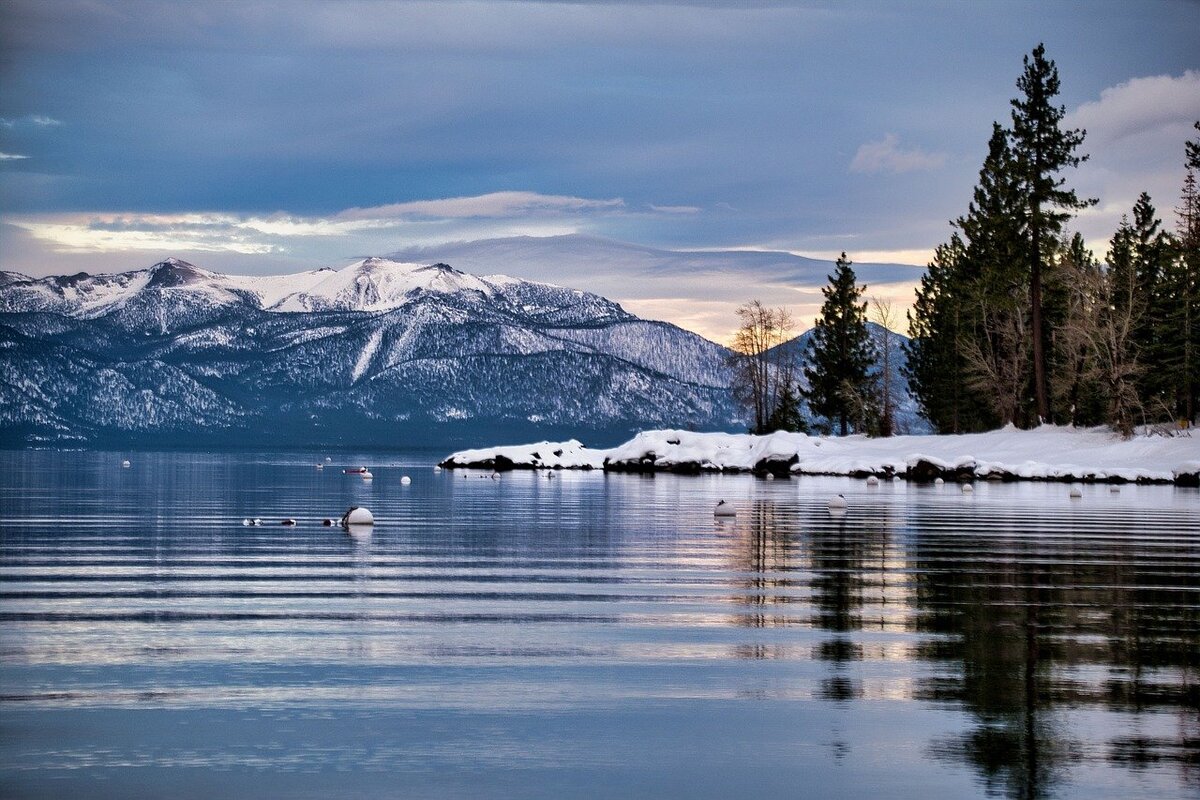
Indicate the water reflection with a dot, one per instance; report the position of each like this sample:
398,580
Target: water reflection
548,637
1025,624
1029,627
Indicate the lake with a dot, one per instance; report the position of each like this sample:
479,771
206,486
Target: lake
587,634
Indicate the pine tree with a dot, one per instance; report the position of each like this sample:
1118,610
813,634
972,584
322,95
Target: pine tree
787,416
1185,284
840,352
1076,384
1157,336
995,338
1042,149
936,368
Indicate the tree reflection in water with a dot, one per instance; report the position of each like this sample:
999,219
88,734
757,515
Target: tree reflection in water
1023,623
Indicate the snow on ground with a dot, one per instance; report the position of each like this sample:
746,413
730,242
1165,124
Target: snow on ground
1046,453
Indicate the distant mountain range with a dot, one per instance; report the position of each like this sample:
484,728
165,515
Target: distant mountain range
380,353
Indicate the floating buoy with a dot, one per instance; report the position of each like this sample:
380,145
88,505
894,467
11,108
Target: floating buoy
724,509
247,522
967,488
1076,492
872,481
837,502
770,476
895,479
256,521
405,481
357,516
366,476
1114,489
126,464
436,468
288,521
938,482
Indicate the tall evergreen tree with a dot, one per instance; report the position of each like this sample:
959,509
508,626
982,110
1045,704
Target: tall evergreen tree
1157,338
1124,295
840,352
1187,283
1076,385
1042,149
995,340
935,367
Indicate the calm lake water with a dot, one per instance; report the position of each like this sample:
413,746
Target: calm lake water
588,635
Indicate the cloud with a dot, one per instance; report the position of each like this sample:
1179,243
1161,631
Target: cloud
676,209
36,120
492,205
1135,136
11,157
108,234
373,229
886,155
1139,106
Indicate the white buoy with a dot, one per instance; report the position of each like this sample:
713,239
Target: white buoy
256,521
126,464
724,509
366,476
895,479
770,476
328,460
837,502
938,482
872,481
1076,492
405,481
436,468
1114,489
247,522
967,488
358,516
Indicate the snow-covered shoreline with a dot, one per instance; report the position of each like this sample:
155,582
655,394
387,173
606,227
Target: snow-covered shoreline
1048,453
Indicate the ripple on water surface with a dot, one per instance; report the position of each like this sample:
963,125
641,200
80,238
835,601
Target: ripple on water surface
589,634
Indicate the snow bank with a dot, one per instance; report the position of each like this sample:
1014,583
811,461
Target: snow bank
543,455
1047,453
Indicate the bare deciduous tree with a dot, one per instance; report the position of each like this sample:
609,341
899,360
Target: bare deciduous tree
885,318
761,368
1103,318
996,360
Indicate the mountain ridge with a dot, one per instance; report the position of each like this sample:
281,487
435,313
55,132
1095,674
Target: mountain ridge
380,351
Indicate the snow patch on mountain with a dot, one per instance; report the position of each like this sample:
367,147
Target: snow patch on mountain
368,352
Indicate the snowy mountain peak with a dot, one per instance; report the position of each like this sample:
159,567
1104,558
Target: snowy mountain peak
174,292
176,272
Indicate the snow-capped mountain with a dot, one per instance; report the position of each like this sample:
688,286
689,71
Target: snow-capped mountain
379,352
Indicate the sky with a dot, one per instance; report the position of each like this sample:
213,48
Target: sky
266,137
